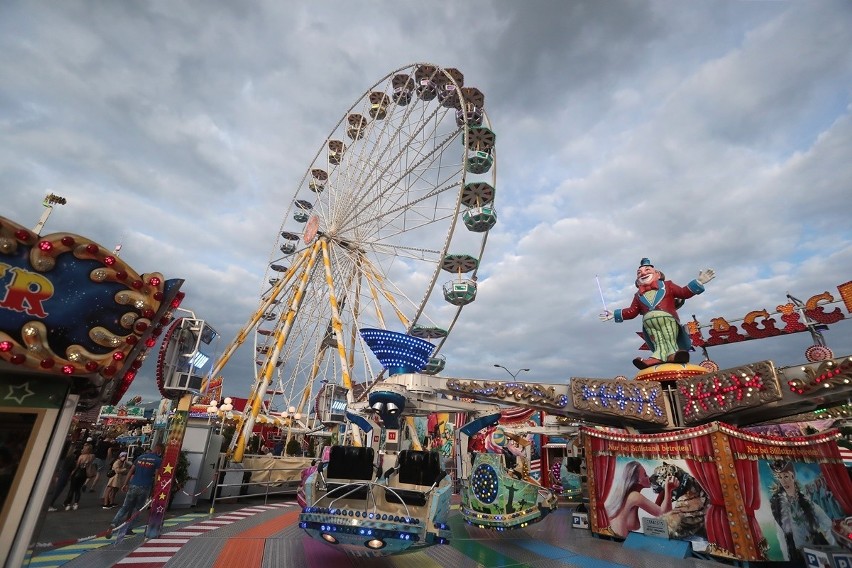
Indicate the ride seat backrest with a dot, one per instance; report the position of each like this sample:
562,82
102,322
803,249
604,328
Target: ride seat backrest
419,468
350,462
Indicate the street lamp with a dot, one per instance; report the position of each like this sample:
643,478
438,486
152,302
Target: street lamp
227,407
49,201
515,374
289,416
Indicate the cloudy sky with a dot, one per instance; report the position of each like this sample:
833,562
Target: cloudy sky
699,134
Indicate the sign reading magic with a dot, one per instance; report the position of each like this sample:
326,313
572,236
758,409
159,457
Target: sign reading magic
73,308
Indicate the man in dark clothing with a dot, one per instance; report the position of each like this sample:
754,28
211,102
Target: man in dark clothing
67,465
141,480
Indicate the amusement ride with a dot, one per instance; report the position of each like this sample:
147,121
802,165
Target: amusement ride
401,192
374,261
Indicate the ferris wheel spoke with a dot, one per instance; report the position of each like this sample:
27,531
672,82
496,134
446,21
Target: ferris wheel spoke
406,147
372,208
349,199
387,217
413,253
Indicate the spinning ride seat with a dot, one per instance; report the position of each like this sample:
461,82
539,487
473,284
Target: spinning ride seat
474,102
289,245
403,85
303,213
435,365
427,88
478,197
480,146
357,124
379,105
349,471
460,292
414,468
318,179
494,499
448,95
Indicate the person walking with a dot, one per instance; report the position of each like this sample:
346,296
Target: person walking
142,474
78,477
103,456
120,468
69,462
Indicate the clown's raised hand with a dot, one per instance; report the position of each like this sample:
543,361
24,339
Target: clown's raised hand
606,316
706,276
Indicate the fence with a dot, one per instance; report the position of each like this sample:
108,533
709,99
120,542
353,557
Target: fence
257,476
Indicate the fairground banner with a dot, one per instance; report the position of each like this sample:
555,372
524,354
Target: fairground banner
733,494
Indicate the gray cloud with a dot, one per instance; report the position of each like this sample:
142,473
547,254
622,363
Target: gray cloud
699,134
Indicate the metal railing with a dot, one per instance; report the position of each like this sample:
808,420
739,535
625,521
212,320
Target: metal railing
233,481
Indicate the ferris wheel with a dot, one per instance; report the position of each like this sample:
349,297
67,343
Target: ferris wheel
385,230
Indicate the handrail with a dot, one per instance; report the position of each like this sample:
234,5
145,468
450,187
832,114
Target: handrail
271,487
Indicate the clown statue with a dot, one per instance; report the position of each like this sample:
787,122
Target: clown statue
657,300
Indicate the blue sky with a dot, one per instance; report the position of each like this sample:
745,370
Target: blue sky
699,134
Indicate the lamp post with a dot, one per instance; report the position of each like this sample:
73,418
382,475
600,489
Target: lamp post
49,201
289,417
515,374
226,408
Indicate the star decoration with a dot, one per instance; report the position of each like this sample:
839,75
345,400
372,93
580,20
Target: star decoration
23,392
162,496
168,468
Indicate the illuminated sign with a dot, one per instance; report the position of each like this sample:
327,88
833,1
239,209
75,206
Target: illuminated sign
199,360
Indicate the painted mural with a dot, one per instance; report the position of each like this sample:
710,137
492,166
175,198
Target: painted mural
442,430
734,494
797,508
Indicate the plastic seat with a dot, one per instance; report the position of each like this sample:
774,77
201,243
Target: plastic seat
353,464
350,462
419,468
415,468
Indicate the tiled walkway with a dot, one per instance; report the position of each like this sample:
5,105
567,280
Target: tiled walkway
266,536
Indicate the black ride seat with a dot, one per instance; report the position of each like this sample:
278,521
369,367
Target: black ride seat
349,463
415,468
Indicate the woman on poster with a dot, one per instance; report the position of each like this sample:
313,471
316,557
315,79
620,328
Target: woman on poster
625,500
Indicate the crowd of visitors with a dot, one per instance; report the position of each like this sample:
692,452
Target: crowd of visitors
90,464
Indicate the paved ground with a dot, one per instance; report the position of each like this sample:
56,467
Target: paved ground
90,518
254,534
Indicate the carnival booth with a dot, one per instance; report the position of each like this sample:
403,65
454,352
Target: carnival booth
76,323
731,493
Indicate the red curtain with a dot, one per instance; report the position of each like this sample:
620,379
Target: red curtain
604,472
716,517
839,483
748,479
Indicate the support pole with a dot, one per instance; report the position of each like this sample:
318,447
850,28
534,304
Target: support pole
165,477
